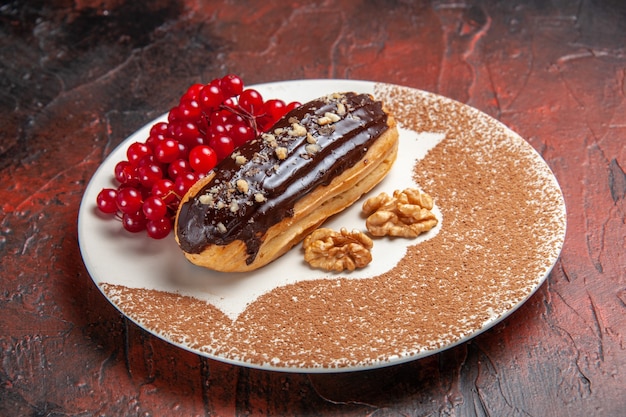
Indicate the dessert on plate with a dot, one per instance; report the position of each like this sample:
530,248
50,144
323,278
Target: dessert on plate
271,192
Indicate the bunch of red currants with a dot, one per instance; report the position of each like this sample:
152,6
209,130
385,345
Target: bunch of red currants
210,121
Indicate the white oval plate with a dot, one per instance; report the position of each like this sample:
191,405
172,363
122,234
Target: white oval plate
289,317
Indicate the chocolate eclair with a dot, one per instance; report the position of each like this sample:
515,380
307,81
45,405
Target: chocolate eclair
274,190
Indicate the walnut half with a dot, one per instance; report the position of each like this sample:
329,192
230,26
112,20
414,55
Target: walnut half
337,251
406,214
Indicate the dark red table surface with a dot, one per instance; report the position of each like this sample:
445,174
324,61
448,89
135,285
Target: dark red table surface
78,77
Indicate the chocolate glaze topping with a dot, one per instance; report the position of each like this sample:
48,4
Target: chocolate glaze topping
259,185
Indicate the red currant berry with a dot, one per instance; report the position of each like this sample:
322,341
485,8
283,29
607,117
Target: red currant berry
177,168
126,173
235,119
230,103
231,85
202,159
159,228
219,117
275,108
173,129
192,93
149,174
241,133
129,200
190,111
211,96
137,151
134,222
173,115
154,208
164,189
166,151
251,102
146,160
198,140
264,123
107,200
189,133
293,105
158,133
184,182
223,146
183,150
159,130
153,141
216,129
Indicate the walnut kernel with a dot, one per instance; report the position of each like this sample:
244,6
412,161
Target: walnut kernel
297,130
406,214
281,153
242,185
337,251
312,148
206,199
